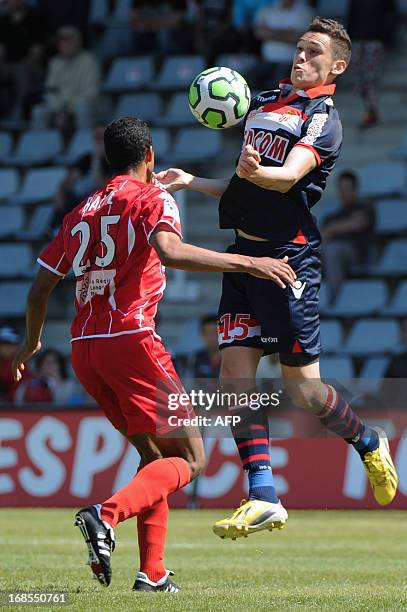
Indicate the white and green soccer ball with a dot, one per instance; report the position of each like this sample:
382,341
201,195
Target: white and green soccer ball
219,98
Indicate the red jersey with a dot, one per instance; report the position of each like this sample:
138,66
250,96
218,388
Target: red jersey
105,240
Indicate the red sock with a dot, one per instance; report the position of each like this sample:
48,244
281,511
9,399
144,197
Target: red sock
151,485
152,531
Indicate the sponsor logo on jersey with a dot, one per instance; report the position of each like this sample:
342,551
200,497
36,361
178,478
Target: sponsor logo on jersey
298,289
269,145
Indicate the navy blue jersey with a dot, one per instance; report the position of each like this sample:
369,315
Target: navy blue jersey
276,122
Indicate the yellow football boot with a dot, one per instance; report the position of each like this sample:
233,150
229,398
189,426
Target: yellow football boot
381,470
251,516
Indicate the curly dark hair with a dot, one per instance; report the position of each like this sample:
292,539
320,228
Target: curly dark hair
127,141
341,43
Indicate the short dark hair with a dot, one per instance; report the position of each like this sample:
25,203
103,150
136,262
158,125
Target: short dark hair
349,176
127,141
341,42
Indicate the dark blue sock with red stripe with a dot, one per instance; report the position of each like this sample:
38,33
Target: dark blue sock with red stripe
338,417
252,440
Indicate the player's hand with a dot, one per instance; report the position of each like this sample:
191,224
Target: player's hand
172,179
249,162
24,353
277,270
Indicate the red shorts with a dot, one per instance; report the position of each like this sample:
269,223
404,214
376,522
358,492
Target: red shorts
131,377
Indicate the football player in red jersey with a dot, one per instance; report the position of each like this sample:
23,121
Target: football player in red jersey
117,242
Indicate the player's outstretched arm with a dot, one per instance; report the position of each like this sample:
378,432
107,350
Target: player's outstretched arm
299,162
176,254
175,179
37,301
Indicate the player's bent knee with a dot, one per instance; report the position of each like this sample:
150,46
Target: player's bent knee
308,395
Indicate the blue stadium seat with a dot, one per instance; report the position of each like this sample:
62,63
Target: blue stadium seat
178,71
9,182
373,336
372,373
241,62
40,184
398,305
80,144
324,298
15,260
391,216
383,178
400,152
161,142
6,144
393,260
333,8
13,298
196,144
360,297
99,11
37,147
146,105
12,220
190,338
122,11
178,112
331,336
39,223
336,367
130,73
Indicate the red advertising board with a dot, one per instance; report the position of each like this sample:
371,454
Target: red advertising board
75,457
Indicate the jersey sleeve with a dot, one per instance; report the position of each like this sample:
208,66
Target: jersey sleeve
53,256
321,134
161,209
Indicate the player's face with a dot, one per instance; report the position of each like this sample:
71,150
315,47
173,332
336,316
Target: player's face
313,61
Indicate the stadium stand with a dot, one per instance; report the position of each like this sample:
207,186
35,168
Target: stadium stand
360,330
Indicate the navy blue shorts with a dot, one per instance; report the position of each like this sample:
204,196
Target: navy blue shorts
257,313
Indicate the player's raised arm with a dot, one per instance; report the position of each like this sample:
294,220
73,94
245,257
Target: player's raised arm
175,179
299,162
176,254
37,301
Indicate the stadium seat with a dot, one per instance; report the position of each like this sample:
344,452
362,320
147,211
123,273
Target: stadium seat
13,298
16,260
6,144
37,147
99,11
400,152
122,11
331,336
195,145
336,367
391,216
161,142
39,223
190,338
393,260
333,8
129,73
9,181
398,305
178,112
241,62
57,334
324,298
12,220
372,373
178,71
80,144
359,297
40,184
383,178
373,336
146,105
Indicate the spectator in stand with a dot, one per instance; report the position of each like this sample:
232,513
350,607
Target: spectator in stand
9,340
394,392
372,28
244,12
22,53
87,174
278,25
50,383
346,233
163,26
205,363
72,86
215,33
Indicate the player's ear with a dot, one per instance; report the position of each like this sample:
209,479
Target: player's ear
149,155
338,67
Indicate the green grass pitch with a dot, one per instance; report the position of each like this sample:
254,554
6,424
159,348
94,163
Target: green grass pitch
322,560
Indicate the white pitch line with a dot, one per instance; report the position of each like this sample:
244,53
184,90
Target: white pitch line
65,542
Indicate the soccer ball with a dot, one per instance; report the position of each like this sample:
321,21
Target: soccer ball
219,98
